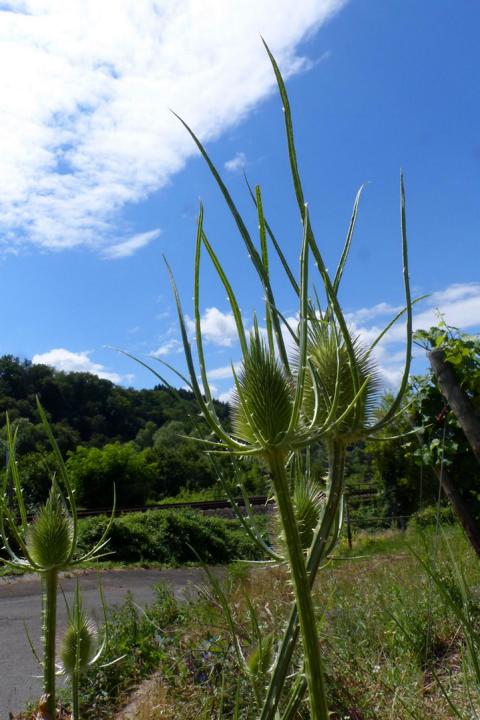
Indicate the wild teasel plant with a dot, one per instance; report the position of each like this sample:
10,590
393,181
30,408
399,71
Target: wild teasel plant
284,404
46,545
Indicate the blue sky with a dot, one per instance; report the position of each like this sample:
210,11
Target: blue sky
99,179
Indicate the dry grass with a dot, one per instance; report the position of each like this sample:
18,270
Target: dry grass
386,636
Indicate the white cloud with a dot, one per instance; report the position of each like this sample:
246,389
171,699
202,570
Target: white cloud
69,361
130,246
237,163
459,304
168,348
226,397
457,291
217,327
86,87
223,373
378,310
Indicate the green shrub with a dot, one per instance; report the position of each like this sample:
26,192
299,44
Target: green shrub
95,472
168,536
428,517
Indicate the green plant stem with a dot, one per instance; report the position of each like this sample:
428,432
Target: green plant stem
321,546
75,696
49,629
301,585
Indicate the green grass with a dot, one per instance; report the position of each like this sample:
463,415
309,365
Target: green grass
386,634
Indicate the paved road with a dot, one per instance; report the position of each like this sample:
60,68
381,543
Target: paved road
20,603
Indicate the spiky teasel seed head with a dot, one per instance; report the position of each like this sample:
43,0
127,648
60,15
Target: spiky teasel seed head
330,359
50,536
262,401
79,644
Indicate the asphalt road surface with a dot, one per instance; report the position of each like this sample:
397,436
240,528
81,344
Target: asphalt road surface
20,604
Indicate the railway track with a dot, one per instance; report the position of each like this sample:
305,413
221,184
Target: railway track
254,500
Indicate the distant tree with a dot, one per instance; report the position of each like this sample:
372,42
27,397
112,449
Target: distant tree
95,471
171,434
36,470
144,437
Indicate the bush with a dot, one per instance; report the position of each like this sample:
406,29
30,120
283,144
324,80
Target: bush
168,536
428,517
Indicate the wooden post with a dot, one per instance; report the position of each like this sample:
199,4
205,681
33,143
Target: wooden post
349,526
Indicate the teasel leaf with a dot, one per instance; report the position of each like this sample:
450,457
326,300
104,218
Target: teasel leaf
275,243
251,249
409,319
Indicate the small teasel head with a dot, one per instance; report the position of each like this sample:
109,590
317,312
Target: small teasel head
50,536
308,499
79,647
263,398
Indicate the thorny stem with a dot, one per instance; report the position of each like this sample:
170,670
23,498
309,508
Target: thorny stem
49,628
320,547
75,694
301,585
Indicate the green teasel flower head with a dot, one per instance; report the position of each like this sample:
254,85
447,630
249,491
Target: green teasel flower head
50,535
308,502
261,406
334,368
80,647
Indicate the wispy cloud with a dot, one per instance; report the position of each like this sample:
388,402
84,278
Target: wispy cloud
378,310
226,396
86,89
68,361
237,163
129,247
169,347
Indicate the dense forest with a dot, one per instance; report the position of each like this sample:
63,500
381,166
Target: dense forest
107,434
